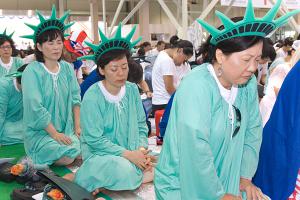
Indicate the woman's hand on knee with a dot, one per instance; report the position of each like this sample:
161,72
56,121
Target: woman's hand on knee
62,139
137,157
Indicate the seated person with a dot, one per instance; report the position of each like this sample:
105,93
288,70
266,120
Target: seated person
11,109
114,137
51,98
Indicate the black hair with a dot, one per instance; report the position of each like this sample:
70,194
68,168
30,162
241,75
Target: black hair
288,41
160,43
21,69
186,45
115,54
268,50
135,74
141,51
174,39
12,44
144,44
48,35
228,46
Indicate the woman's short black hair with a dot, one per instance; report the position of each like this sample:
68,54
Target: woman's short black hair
268,50
135,74
115,54
21,69
12,44
228,46
186,45
48,35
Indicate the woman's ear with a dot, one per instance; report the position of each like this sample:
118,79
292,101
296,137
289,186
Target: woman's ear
39,47
180,50
101,71
219,56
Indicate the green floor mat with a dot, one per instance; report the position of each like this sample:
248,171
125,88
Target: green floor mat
17,151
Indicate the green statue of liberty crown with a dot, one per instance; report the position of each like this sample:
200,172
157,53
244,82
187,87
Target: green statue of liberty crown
108,44
48,24
249,25
4,35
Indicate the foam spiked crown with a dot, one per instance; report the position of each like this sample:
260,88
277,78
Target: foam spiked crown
249,26
4,35
108,44
48,24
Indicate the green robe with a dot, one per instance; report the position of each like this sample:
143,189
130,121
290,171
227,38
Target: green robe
17,62
199,160
11,113
49,98
107,130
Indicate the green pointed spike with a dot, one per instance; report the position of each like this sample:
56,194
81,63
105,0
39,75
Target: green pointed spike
228,24
212,30
66,35
272,12
281,20
102,36
11,34
249,13
88,57
31,26
4,32
119,31
65,16
68,25
42,19
94,47
53,13
131,33
31,37
136,42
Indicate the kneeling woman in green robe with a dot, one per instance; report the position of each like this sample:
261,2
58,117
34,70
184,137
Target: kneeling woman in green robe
11,108
51,98
214,133
114,130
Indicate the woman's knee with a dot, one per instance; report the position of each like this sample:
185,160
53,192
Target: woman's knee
64,161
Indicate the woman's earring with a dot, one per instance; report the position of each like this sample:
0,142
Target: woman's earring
220,72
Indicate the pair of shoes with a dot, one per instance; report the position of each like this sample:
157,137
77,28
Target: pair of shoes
30,189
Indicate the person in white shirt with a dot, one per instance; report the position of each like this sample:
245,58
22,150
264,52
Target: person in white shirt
274,84
164,72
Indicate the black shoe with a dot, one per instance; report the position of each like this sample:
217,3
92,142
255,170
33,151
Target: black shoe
31,188
5,174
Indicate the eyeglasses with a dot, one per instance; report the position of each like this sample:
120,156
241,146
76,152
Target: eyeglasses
238,117
6,47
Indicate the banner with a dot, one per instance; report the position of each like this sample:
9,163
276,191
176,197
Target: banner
291,4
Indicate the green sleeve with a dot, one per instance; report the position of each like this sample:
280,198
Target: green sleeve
4,99
92,124
35,115
141,117
253,135
18,62
191,118
75,89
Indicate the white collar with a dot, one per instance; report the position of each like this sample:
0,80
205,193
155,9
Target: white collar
52,73
7,65
228,95
15,84
112,98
